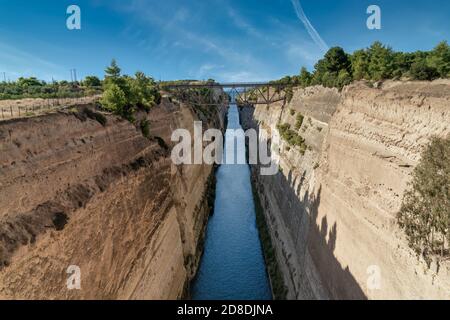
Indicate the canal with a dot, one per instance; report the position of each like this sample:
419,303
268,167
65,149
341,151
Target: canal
232,266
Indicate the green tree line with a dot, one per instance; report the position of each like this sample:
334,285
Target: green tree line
34,88
378,62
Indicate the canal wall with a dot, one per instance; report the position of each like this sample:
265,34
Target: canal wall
331,210
86,194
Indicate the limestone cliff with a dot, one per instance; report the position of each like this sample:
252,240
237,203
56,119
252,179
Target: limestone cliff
331,210
103,198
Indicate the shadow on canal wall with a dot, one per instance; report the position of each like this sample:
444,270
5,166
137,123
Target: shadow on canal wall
337,280
305,248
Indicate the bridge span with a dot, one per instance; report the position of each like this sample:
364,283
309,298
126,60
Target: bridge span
247,93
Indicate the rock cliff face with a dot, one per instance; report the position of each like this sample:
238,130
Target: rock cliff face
102,198
332,211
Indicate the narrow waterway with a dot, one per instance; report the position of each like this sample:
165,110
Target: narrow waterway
232,265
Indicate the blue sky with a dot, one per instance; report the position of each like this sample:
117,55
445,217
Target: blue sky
228,40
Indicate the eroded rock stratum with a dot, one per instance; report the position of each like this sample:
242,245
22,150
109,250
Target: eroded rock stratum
102,198
332,211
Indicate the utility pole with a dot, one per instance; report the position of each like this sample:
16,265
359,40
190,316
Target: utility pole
71,75
4,76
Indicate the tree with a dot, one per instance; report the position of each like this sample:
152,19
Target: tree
113,71
402,64
286,80
381,62
420,70
336,60
144,91
29,82
123,94
425,212
439,59
113,76
328,68
329,79
92,81
344,78
114,100
305,77
360,65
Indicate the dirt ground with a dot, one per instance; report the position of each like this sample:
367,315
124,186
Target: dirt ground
10,109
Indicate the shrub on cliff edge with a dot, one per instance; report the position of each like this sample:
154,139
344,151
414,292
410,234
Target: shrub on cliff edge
114,99
145,128
292,137
425,213
123,95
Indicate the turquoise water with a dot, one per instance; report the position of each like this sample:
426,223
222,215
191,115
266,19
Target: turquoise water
232,265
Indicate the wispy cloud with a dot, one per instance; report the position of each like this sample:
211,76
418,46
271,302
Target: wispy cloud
188,37
206,70
309,27
173,28
302,52
299,49
242,24
27,64
180,33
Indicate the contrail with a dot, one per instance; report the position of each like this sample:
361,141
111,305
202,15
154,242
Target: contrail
309,27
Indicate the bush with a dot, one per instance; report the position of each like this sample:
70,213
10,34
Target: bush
145,128
425,212
114,99
344,78
439,59
381,62
299,122
162,143
143,91
292,137
124,94
421,71
92,81
305,78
